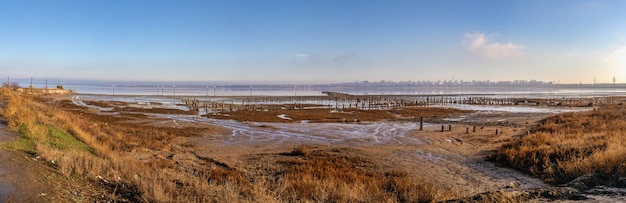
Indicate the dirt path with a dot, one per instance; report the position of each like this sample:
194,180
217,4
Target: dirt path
458,159
8,191
22,178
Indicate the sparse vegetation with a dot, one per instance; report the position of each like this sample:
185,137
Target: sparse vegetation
11,85
568,146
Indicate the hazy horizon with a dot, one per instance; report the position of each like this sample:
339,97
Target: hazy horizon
40,82
314,41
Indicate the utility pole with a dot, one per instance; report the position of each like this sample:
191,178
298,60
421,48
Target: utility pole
613,80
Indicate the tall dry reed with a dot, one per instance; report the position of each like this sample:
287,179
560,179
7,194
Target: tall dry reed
565,147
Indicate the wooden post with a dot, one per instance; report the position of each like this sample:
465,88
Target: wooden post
496,131
467,130
421,122
442,128
474,129
449,127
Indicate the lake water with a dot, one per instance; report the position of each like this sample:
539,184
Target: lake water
225,89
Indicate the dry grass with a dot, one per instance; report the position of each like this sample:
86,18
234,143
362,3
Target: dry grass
568,146
333,176
56,131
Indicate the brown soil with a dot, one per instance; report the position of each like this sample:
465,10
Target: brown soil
346,115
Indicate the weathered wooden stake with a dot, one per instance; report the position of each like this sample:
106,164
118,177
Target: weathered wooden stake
442,128
496,131
467,130
421,122
474,129
449,127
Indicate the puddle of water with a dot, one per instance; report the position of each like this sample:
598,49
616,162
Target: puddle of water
517,109
134,101
283,116
79,102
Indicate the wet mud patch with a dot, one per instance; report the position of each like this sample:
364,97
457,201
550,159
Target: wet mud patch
341,116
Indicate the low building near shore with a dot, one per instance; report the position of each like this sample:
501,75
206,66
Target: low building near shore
37,91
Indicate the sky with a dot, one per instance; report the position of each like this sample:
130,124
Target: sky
314,41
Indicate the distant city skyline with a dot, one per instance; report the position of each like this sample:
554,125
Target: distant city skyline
314,41
41,82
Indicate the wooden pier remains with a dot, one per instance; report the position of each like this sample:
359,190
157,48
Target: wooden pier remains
341,101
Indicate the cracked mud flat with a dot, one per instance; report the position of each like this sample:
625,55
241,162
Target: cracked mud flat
454,159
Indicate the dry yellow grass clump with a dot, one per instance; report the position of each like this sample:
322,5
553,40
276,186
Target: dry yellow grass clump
335,175
126,161
565,147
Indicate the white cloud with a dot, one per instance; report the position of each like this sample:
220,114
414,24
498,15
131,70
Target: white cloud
478,43
303,55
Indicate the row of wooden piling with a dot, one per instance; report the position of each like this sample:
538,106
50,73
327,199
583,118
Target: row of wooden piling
467,131
374,102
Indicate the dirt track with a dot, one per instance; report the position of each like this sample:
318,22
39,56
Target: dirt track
7,188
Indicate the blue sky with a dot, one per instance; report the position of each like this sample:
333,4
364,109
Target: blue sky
314,41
